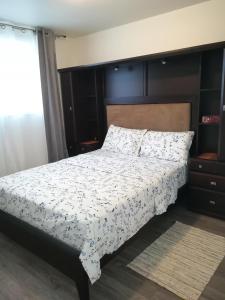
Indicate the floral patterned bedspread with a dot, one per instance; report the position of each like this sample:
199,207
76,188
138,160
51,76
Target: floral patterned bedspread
93,202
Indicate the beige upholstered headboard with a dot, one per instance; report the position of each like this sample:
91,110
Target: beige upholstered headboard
162,117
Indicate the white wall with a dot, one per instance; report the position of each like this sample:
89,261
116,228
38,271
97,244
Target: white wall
195,25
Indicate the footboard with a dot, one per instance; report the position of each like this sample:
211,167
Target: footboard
53,251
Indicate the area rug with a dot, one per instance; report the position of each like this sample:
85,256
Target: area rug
182,260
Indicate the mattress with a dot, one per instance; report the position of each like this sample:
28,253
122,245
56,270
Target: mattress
93,202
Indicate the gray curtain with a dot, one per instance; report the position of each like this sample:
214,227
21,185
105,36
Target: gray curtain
53,112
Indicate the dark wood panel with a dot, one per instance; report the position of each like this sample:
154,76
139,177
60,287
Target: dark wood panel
69,115
221,153
101,111
210,103
86,83
139,81
207,181
207,166
174,76
84,148
208,138
85,104
207,201
124,80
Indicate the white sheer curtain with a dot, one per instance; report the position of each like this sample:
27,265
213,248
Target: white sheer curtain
22,130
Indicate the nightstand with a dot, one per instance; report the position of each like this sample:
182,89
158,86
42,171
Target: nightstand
207,187
88,146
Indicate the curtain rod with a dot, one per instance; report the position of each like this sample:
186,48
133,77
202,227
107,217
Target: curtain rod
3,25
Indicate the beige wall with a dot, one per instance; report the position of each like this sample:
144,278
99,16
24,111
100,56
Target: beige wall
195,25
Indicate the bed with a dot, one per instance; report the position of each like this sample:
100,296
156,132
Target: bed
77,211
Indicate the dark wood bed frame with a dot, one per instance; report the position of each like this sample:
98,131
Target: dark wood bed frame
54,251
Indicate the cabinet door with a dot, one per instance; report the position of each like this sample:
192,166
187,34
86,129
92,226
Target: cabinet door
222,115
69,115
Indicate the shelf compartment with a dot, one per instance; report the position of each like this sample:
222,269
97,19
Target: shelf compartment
208,156
89,142
211,71
208,139
210,104
125,80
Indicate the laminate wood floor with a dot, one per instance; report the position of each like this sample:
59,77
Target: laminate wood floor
24,276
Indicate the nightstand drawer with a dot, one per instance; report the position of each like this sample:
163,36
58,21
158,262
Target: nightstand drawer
208,181
206,201
207,166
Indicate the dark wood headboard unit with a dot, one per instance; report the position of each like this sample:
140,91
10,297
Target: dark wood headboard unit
195,75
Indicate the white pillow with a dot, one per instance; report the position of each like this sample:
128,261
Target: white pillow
173,146
123,140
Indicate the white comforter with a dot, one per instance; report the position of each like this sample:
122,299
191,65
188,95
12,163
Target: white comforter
93,202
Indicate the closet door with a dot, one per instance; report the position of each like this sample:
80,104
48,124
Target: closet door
68,99
222,115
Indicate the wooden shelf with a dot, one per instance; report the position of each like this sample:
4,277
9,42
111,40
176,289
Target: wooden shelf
209,90
90,142
208,124
208,156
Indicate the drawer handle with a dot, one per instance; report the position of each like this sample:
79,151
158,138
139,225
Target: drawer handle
212,202
200,166
213,183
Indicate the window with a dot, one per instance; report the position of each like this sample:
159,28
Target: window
22,131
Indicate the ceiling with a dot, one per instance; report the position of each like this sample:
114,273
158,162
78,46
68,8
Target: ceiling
79,17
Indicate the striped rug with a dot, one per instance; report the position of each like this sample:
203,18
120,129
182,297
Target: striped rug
182,260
